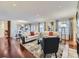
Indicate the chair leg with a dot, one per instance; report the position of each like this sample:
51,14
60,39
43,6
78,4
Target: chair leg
55,55
78,55
44,55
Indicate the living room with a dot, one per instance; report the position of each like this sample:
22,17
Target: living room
42,30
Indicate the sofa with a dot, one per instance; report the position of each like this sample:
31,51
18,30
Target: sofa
30,36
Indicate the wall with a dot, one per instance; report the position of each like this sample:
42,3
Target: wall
74,28
36,27
2,28
13,28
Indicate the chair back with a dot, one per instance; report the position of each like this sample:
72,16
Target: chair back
51,44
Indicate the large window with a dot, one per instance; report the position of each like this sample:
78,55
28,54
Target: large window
32,27
64,28
20,28
41,26
27,28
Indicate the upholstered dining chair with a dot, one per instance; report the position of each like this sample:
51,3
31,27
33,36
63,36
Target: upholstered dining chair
50,45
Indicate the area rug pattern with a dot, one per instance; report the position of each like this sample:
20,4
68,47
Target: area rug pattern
72,53
34,48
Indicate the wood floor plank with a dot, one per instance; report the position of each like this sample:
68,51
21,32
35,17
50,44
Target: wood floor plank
15,50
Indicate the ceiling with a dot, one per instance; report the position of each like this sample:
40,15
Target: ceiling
37,11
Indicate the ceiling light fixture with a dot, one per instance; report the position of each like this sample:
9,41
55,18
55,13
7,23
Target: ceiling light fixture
14,5
22,21
60,6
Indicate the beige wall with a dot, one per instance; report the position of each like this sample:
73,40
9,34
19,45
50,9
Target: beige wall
74,28
36,27
6,25
2,28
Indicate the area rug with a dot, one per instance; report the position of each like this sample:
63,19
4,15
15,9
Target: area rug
36,50
72,53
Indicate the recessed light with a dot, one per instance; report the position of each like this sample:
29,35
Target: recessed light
14,5
60,6
22,21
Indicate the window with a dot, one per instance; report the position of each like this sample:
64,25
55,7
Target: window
41,25
27,28
32,27
64,28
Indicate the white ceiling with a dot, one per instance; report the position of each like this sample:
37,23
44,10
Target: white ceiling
37,11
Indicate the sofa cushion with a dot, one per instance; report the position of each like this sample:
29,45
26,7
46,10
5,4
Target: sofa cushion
50,33
32,33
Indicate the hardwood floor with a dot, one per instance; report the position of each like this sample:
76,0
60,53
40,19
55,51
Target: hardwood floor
14,50
71,43
26,53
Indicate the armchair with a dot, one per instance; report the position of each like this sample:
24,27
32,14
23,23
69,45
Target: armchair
50,45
